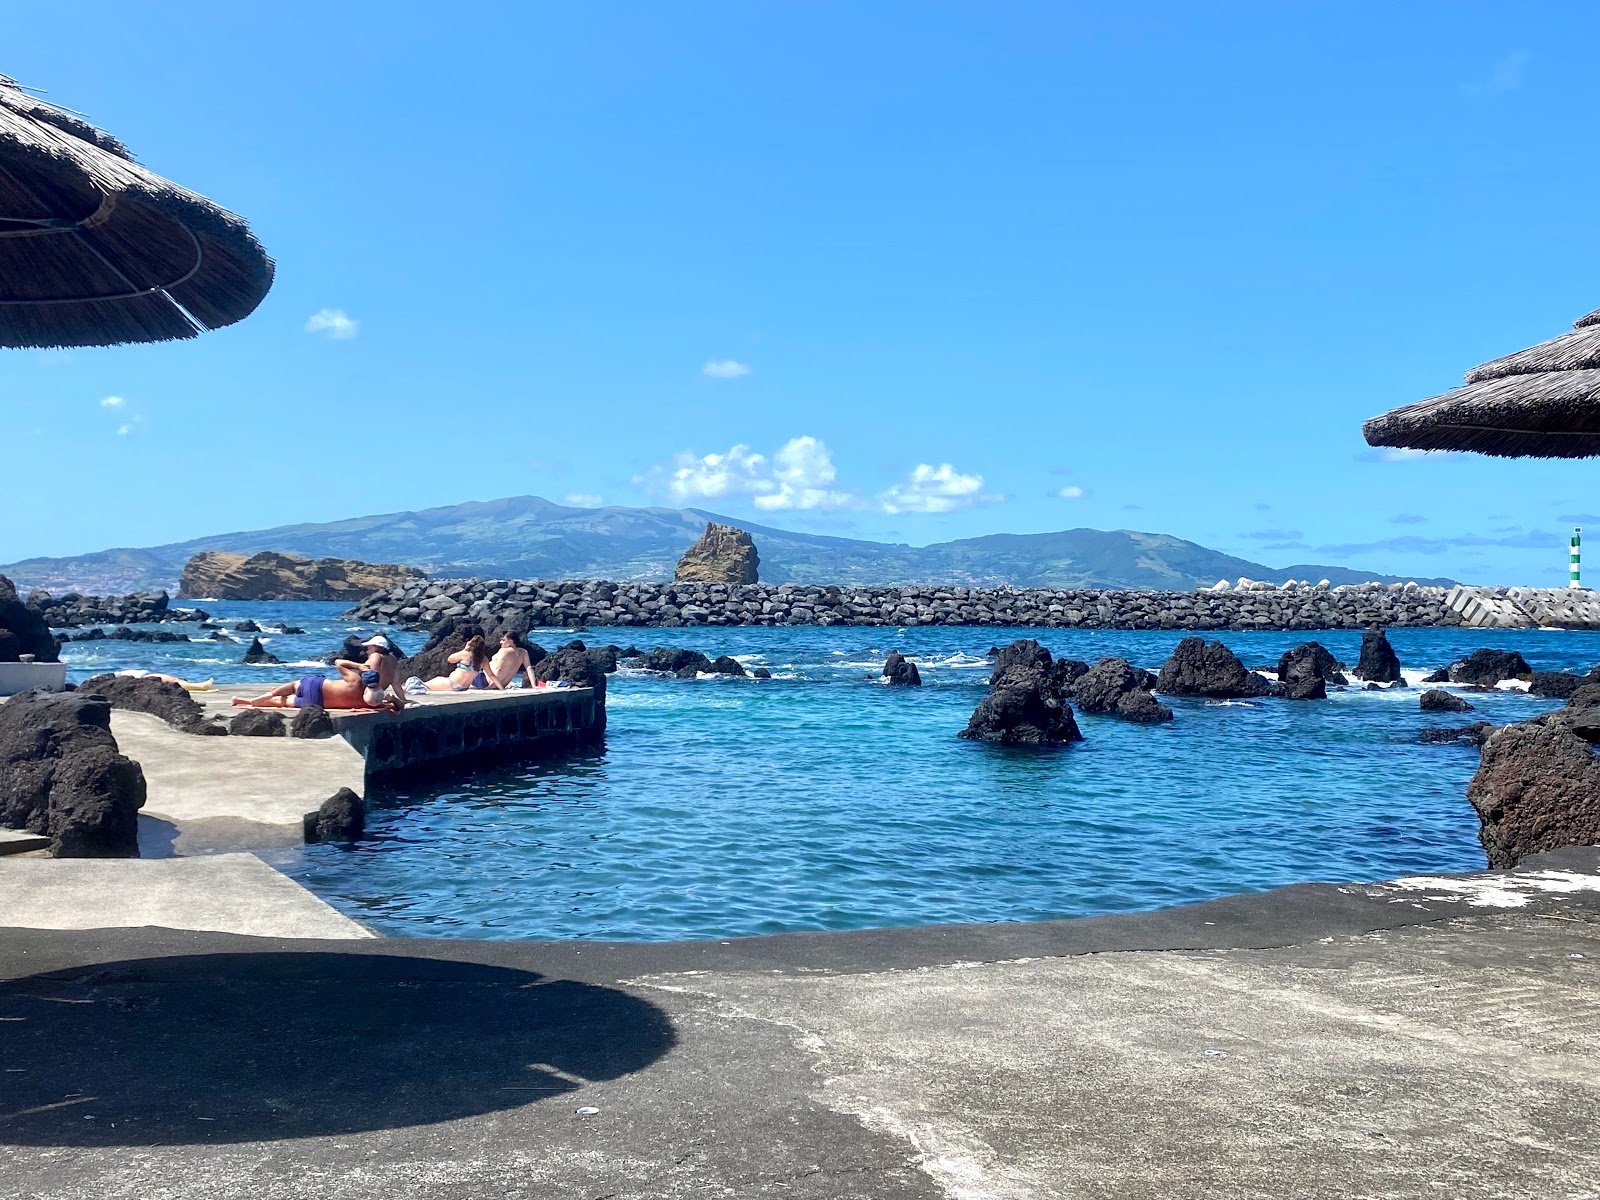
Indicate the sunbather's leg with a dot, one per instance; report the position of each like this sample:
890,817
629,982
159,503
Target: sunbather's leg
281,696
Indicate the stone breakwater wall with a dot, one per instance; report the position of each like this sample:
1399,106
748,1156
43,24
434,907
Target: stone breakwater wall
72,610
673,605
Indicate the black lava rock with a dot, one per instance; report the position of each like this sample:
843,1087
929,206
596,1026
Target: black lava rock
312,721
341,818
123,634
760,673
1558,685
156,697
900,671
257,722
1303,672
1378,662
1025,707
1438,700
670,661
247,626
1476,733
1488,667
1201,668
1442,675
23,629
258,655
724,664
1116,687
61,776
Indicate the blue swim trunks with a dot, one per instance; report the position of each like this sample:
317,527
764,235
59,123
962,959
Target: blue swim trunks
308,692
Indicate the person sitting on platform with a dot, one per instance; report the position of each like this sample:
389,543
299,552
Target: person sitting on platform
508,660
468,669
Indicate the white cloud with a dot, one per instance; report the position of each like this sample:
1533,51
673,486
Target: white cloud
335,322
800,475
1071,492
931,489
583,499
112,402
725,368
125,430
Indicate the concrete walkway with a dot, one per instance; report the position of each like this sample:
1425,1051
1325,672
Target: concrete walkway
1429,1037
235,893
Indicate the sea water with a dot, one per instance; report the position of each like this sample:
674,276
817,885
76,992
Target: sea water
823,799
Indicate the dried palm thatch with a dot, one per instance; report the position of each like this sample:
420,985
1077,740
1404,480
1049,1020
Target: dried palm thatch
1543,402
97,251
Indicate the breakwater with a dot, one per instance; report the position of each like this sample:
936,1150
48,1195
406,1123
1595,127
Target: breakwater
1244,605
71,610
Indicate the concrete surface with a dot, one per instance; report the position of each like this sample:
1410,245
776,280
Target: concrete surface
1428,1037
258,787
223,892
20,676
20,841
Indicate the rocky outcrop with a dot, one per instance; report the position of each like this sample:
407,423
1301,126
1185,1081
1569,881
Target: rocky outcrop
22,629
900,671
342,817
1438,700
722,555
575,663
1558,685
1201,668
1027,701
257,722
1305,672
311,721
1475,734
71,610
1116,687
1485,667
1378,662
1538,785
273,576
61,776
154,696
726,664
571,602
258,655
670,660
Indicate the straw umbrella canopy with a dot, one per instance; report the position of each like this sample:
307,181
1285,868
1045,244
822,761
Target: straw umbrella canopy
1543,402
97,251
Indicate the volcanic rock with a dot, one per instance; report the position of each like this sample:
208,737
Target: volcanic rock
671,661
23,630
433,660
1559,685
123,634
1438,700
1476,733
147,694
724,664
258,655
900,671
311,721
1537,788
1303,672
722,555
257,722
1488,667
62,777
1201,668
272,576
1116,687
760,673
575,663
1024,707
1442,675
342,817
247,626
1378,662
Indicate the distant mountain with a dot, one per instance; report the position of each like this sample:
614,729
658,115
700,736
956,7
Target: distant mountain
530,538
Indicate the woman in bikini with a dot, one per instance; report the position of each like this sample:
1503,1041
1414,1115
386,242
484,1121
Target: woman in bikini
469,668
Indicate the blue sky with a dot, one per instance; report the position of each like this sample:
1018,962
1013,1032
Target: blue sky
903,271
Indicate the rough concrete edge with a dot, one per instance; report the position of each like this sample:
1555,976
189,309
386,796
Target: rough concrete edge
1285,916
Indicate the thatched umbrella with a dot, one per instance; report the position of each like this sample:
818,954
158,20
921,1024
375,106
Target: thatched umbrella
95,250
1543,402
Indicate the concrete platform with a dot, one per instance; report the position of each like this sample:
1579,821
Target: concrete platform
235,893
20,841
1432,1037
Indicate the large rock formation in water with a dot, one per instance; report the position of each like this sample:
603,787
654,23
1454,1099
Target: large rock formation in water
1485,667
1201,668
61,776
1538,783
22,629
1027,700
271,576
722,555
1378,662
1118,688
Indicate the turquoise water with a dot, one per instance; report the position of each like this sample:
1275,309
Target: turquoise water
823,800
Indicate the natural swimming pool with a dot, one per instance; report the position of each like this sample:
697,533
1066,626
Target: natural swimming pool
821,799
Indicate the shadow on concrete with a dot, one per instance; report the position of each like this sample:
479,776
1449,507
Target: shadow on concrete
247,1047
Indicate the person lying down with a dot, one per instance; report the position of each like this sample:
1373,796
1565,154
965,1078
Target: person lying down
369,684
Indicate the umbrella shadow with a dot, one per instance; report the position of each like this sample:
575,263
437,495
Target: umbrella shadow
222,1048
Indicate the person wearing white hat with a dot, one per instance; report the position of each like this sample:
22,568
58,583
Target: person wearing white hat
379,678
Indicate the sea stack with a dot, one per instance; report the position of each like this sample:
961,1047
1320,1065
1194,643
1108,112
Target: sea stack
722,555
272,576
